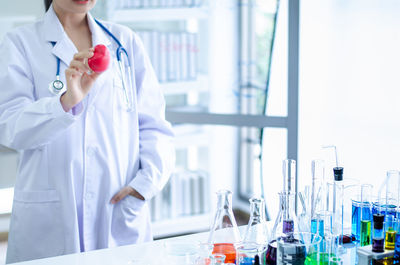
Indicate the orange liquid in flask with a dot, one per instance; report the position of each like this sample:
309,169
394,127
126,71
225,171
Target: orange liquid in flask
226,249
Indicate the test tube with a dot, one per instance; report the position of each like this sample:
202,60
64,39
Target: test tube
317,196
365,226
392,198
338,193
378,239
289,175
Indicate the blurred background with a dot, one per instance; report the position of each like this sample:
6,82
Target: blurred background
223,67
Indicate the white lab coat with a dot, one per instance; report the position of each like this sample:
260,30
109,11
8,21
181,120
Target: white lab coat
72,164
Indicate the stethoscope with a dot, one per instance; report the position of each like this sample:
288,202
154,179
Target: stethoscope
57,86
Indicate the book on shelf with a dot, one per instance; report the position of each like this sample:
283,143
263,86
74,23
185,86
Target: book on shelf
186,194
155,52
173,55
163,47
193,51
172,66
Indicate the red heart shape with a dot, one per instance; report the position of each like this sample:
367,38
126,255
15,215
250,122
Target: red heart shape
100,60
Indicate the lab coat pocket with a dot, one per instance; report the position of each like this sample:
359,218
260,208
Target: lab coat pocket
37,228
129,221
133,205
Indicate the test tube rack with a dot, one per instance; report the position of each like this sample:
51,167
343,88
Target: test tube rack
365,255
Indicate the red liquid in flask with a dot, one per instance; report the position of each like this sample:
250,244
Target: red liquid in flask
227,249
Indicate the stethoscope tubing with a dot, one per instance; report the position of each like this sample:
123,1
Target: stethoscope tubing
120,52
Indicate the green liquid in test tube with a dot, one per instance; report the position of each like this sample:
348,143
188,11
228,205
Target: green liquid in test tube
366,215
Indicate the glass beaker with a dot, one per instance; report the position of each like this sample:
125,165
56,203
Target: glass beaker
298,248
329,252
180,252
204,254
224,232
257,230
248,253
218,259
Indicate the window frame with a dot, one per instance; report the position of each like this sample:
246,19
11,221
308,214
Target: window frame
289,122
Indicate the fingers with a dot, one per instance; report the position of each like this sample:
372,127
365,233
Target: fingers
80,56
79,66
120,195
94,75
71,73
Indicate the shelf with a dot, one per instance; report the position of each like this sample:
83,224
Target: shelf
159,14
181,225
197,138
184,87
17,19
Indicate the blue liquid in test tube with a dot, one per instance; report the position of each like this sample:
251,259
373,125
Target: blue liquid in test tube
317,227
355,220
397,247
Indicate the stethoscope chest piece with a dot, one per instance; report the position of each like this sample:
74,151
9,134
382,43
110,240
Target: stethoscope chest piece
56,87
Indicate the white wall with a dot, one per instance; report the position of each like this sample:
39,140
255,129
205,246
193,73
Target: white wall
349,85
18,12
22,7
12,14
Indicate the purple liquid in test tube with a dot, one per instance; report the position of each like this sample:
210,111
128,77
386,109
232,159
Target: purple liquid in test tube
288,226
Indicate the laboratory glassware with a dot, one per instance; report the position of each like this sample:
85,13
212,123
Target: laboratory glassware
285,223
218,259
289,175
391,222
204,254
304,217
397,247
338,193
224,231
330,251
257,230
181,252
365,215
355,217
298,248
248,253
378,238
318,196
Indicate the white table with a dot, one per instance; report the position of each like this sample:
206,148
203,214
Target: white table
151,253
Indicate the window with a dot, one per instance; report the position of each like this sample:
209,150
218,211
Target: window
239,100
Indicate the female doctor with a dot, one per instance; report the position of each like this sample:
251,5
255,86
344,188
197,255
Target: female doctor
89,160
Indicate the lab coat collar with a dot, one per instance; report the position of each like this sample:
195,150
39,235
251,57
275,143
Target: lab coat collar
53,30
64,47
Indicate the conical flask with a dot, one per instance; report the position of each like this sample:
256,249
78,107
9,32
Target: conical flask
224,231
257,230
286,223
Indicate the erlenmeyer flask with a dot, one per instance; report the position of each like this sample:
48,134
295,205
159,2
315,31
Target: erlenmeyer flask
256,231
224,232
286,223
